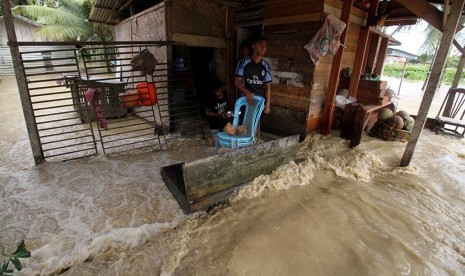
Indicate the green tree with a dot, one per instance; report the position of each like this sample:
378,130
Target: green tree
15,2
65,20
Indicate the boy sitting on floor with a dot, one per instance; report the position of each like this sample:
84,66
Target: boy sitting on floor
216,111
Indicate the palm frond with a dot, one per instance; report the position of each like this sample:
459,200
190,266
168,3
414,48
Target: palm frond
62,33
46,15
432,38
79,8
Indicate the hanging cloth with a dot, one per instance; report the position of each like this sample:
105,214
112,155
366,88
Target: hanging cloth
92,97
326,39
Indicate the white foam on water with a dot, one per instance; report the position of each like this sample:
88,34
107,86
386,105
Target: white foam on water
333,211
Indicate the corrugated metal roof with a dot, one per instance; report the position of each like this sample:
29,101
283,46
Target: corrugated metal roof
107,11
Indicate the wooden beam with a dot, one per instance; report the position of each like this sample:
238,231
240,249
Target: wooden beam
21,80
327,119
433,83
425,10
459,47
199,40
125,5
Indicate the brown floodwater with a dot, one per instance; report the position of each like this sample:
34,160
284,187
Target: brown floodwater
337,211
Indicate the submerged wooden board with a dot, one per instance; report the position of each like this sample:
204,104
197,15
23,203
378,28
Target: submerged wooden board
210,180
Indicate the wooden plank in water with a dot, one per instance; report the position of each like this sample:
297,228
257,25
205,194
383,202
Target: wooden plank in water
214,177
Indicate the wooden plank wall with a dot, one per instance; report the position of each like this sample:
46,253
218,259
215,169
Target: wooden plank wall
198,24
149,25
288,26
322,71
24,33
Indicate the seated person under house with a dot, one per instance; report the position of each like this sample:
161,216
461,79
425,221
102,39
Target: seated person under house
216,110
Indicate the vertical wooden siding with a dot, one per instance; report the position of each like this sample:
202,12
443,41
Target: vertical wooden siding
322,71
288,26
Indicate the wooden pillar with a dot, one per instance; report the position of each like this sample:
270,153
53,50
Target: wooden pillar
370,61
230,53
382,53
444,13
458,73
437,68
358,62
335,69
22,84
363,39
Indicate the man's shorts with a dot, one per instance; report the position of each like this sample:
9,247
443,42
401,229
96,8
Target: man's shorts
214,132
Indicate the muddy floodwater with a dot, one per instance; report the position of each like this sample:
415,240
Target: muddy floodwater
335,211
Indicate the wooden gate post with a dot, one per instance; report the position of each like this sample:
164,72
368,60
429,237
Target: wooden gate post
22,84
433,83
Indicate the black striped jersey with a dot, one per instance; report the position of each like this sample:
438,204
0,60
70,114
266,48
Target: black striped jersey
254,75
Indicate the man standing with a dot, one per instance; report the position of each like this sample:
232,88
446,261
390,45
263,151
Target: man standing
253,74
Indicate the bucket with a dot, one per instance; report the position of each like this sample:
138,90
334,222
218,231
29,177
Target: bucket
129,99
147,93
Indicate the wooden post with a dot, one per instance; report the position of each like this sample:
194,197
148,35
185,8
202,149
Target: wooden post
437,68
444,14
26,103
327,119
358,62
382,53
230,53
459,71
370,60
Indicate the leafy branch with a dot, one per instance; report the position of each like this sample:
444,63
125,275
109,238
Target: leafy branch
11,254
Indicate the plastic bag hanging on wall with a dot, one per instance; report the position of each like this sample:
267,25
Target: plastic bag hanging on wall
326,39
144,61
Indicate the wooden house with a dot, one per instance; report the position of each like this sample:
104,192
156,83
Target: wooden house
302,92
25,29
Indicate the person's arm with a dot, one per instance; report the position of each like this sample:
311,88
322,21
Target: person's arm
210,113
267,98
249,95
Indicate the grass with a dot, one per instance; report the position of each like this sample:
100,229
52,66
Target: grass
417,72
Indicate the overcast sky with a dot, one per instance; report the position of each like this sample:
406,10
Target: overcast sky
411,38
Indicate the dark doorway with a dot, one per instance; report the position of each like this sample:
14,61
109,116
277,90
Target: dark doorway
203,69
245,36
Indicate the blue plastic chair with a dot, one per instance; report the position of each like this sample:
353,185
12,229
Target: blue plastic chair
251,118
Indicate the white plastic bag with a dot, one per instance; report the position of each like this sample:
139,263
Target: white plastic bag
326,39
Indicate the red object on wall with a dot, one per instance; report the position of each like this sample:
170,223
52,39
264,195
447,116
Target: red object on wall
147,93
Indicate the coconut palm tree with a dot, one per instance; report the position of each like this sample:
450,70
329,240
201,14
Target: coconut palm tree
64,20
